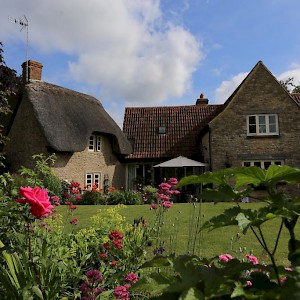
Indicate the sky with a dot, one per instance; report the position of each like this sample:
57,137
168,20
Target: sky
152,52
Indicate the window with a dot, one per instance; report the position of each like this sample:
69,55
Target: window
95,143
262,125
162,130
91,179
264,164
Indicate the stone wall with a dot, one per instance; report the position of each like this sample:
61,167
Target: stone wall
259,94
26,139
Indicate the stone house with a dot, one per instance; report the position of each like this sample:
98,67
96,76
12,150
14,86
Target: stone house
88,144
158,134
258,125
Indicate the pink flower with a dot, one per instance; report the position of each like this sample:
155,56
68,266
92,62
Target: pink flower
173,181
253,259
164,186
38,199
74,221
121,293
249,283
163,197
225,257
131,277
153,206
166,204
176,192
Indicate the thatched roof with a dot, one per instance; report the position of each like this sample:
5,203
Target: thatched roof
68,118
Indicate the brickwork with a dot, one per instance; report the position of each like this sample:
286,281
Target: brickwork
259,94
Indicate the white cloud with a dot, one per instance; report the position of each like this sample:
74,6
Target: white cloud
227,87
292,73
124,47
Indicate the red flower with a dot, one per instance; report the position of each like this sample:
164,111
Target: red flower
106,246
74,221
114,263
38,199
103,256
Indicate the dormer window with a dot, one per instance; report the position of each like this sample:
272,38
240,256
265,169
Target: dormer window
95,143
262,125
162,130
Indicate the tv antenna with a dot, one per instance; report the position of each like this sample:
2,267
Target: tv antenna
23,22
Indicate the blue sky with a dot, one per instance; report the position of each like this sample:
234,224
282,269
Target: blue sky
151,52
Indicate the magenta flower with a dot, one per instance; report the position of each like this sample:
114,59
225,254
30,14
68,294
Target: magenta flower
121,293
131,277
253,259
166,204
163,197
173,181
164,186
225,257
153,206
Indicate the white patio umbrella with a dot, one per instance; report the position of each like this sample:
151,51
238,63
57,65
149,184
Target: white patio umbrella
180,162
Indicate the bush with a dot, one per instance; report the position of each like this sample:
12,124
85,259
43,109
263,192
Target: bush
92,198
124,197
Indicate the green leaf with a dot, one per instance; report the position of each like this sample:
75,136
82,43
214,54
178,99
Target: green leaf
249,175
228,218
192,294
37,291
243,222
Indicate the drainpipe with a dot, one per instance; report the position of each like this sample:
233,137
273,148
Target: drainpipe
209,145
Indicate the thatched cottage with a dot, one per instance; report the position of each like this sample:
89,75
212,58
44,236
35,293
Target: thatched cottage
48,119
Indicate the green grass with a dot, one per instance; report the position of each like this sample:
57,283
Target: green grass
181,216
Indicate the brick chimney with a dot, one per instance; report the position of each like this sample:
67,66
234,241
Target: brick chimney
201,100
34,71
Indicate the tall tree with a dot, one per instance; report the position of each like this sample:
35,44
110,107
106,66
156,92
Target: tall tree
9,83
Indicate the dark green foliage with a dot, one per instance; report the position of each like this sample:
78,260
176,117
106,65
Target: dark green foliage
92,198
124,197
196,278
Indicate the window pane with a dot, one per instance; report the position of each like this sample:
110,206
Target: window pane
272,124
252,128
278,163
262,124
267,164
257,164
247,163
97,178
262,120
98,143
88,179
252,120
91,143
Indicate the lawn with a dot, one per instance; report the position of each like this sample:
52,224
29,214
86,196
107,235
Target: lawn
180,221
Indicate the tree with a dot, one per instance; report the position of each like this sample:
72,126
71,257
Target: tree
289,85
9,83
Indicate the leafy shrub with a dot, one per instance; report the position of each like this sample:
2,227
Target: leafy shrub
124,197
92,198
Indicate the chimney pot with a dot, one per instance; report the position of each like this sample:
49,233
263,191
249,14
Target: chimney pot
201,100
33,72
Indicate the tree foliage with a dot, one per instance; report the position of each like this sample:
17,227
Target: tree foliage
9,83
289,85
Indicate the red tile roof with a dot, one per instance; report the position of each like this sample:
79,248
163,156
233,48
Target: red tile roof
183,125
296,97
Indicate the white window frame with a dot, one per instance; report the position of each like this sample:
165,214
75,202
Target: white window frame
95,143
260,121
261,163
91,178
